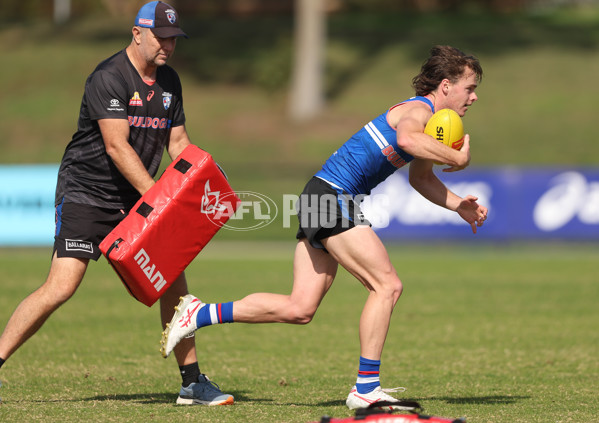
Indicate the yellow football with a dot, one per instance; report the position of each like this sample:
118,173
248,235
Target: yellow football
446,126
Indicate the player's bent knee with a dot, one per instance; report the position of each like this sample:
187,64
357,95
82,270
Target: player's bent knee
51,299
392,288
53,293
397,290
61,296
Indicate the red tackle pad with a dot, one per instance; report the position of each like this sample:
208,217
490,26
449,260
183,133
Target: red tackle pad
170,224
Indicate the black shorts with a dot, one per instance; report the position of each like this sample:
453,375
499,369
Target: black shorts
80,229
324,211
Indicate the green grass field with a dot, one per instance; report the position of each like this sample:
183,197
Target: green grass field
492,333
495,333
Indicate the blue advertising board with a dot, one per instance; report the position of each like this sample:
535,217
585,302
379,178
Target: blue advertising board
522,203
27,204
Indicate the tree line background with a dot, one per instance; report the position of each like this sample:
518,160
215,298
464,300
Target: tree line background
11,10
241,68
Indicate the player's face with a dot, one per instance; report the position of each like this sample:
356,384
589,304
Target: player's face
461,94
157,50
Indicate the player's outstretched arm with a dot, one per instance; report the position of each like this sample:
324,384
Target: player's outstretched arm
430,187
472,212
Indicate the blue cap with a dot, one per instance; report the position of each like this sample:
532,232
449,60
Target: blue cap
161,18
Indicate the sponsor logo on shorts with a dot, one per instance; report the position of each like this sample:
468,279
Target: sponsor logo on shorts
78,245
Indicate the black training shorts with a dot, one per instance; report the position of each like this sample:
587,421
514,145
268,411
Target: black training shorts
324,211
80,229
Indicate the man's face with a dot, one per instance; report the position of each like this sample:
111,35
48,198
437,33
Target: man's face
156,50
461,94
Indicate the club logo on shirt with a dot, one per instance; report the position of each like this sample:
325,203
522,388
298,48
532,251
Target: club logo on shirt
166,100
170,15
135,100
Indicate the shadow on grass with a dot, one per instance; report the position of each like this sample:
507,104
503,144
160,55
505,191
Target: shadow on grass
153,398
488,399
169,398
161,398
149,398
482,400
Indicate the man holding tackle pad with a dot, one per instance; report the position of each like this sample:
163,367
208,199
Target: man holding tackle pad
132,109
